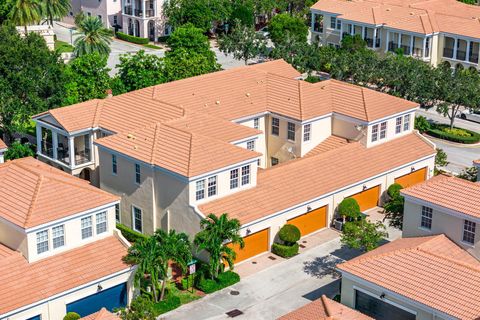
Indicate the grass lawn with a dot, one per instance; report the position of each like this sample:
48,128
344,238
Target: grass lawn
174,299
62,46
152,46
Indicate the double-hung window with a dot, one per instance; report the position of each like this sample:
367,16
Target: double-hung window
86,224
398,125
114,164
275,126
383,130
426,220
137,173
251,145
333,22
469,231
200,190
306,132
117,212
101,221
291,131
374,133
58,236
233,178
245,175
42,241
406,122
256,124
212,186
339,24
137,219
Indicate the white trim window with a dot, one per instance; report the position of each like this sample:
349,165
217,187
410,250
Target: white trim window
398,125
383,130
406,122
117,212
427,217
137,219
86,224
212,186
469,231
275,126
374,132
200,189
291,131
256,123
101,222
233,179
307,132
42,241
245,175
58,236
251,145
114,164
137,173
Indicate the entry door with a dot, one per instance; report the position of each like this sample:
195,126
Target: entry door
112,298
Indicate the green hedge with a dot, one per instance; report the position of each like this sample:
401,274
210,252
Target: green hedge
224,280
129,234
284,250
171,302
133,39
438,132
163,39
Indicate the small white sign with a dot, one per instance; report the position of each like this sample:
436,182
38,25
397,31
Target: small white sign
191,268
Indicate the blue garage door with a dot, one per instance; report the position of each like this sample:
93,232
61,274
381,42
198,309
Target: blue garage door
110,299
35,318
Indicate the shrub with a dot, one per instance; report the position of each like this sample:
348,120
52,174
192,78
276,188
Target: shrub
394,190
422,124
141,307
129,234
207,285
163,39
224,280
285,251
187,282
18,150
455,135
289,234
349,208
71,316
133,39
169,303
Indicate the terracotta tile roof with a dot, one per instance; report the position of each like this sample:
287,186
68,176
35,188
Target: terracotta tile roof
331,143
23,283
34,193
433,271
103,314
284,186
324,309
2,145
179,151
449,192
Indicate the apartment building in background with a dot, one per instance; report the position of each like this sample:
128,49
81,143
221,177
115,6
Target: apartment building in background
256,142
108,11
435,31
144,18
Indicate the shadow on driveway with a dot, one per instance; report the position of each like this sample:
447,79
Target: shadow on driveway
330,290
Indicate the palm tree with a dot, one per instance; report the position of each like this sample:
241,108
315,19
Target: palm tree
55,9
95,37
26,12
216,231
145,254
174,247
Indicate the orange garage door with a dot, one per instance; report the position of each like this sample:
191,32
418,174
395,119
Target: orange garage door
310,221
413,178
367,199
255,243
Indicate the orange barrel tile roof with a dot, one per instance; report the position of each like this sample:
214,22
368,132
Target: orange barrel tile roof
325,309
34,193
331,143
3,146
103,314
188,154
432,271
284,186
23,283
449,192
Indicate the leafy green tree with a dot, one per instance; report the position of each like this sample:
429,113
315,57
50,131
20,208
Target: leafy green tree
302,56
362,234
26,12
243,42
78,18
353,43
469,174
215,232
243,13
137,71
141,308
422,124
31,79
441,159
5,9
87,78
94,38
71,316
55,9
17,150
349,209
283,24
394,206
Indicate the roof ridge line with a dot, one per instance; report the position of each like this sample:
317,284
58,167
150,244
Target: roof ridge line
98,112
326,306
189,155
364,103
300,98
34,199
153,142
461,263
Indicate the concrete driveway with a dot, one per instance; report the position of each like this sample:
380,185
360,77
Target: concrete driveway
277,290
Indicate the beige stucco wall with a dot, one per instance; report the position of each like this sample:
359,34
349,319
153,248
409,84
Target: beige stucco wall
105,8
261,143
13,237
391,124
320,130
345,128
278,146
442,222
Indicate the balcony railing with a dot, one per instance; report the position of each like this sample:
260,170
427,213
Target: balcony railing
149,13
461,55
417,52
447,52
473,58
406,49
392,46
138,12
82,156
318,27
47,149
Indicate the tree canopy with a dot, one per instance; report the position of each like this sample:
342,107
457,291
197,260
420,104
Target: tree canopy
284,24
94,37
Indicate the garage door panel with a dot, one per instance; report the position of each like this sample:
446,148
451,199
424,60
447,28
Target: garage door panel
367,199
379,309
255,244
412,178
310,221
112,298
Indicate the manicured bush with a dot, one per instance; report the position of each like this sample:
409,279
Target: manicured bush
394,190
349,208
169,303
289,234
187,282
224,280
422,124
71,316
208,285
455,135
163,39
129,234
133,39
285,251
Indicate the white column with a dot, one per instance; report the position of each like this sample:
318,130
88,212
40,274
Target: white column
455,47
143,8
399,40
39,139
374,38
363,32
424,46
312,24
133,7
71,150
92,154
55,145
411,45
467,55
341,31
388,41
352,31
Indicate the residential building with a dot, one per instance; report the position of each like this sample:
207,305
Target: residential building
144,18
43,30
256,142
59,249
108,11
103,314
444,204
3,149
422,278
324,309
435,31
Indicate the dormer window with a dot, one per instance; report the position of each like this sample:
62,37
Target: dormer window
398,125
233,178
101,220
406,122
86,224
58,235
256,124
245,175
251,145
306,132
42,241
383,130
375,133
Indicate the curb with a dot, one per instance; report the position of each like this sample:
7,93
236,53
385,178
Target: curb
454,144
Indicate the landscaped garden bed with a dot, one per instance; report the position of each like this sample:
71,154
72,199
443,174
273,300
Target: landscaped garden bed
455,135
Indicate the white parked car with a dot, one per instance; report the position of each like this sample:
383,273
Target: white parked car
471,115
